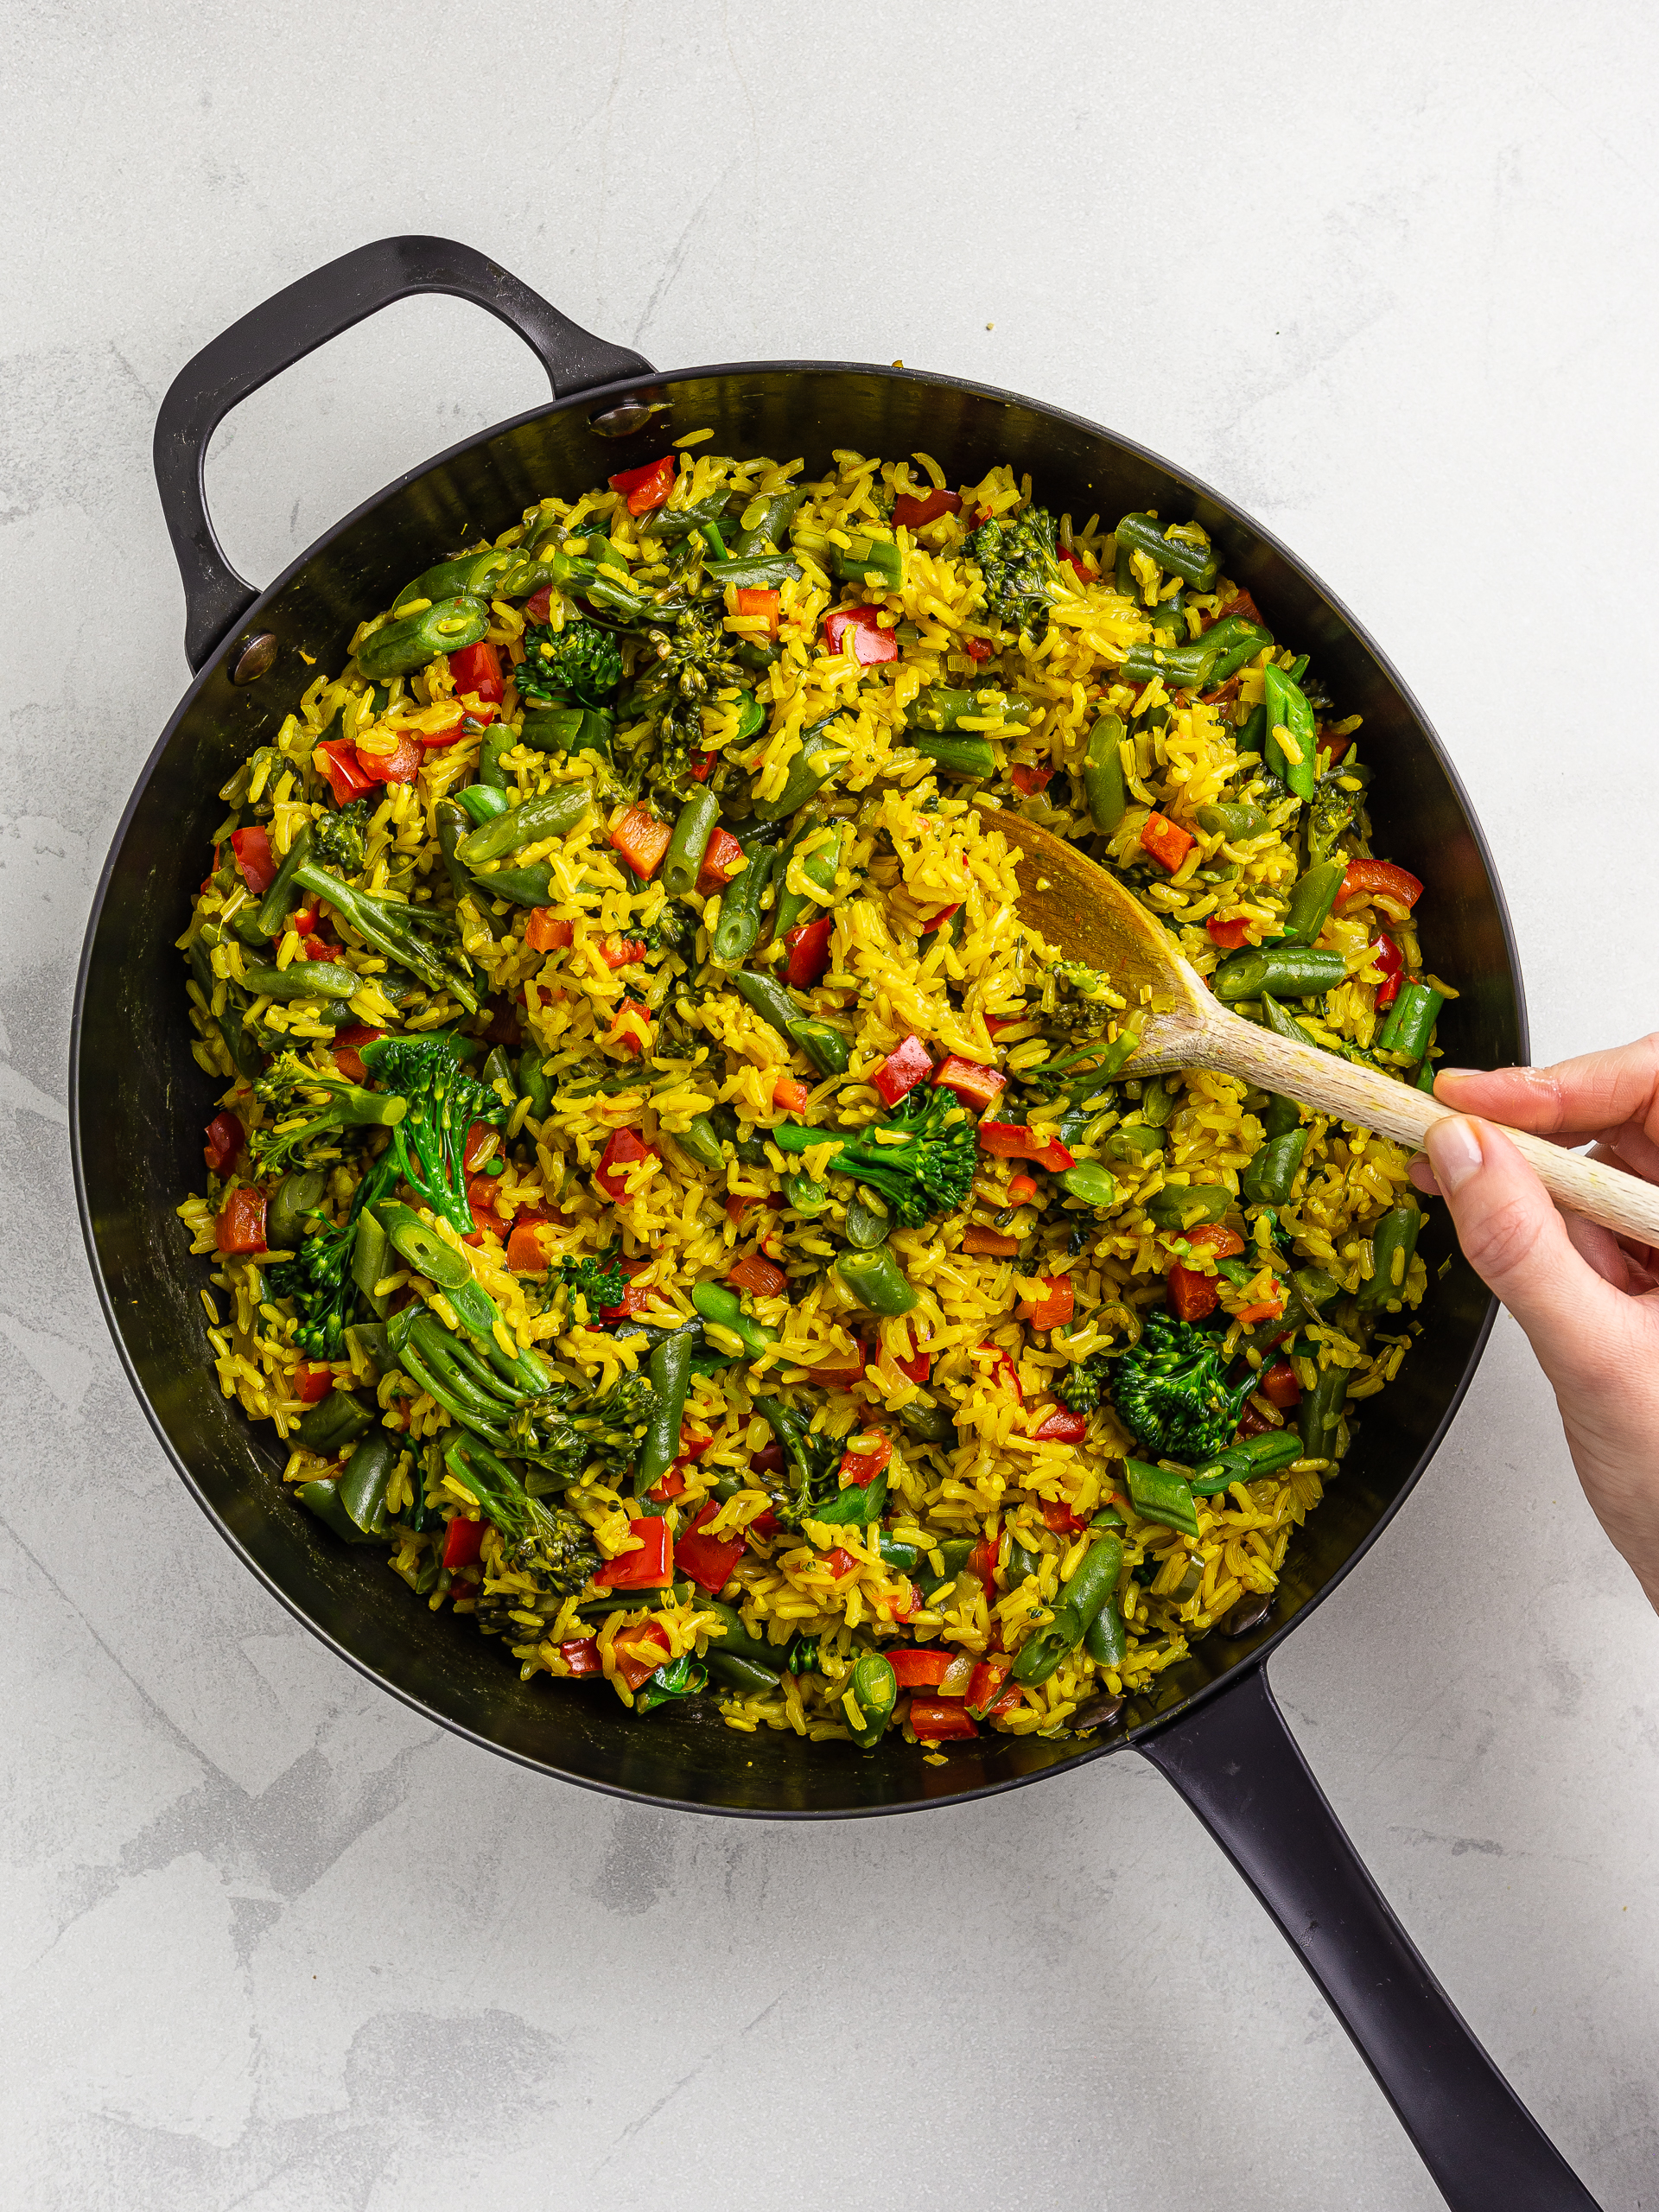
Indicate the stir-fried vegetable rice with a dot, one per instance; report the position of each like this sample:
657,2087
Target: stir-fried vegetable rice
667,1204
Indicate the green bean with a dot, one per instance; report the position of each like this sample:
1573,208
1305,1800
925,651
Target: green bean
873,1690
490,773
966,757
1088,1181
1235,822
399,648
928,1424
752,1149
765,572
1134,1144
554,815
282,897
817,761
1319,1414
1315,1287
1267,1181
1424,1080
682,862
1184,668
1411,1021
772,527
824,1046
1079,1602
1236,643
1286,970
940,707
369,1339
1281,1023
481,803
873,560
670,1371
452,824
1281,1116
736,1638
1105,1640
303,979
533,1083
1287,710
818,867
333,1422
876,1280
292,1203
719,1303
1245,1462
747,1675
866,1228
520,886
370,1248
702,1139
362,1483
907,1558
1104,784
322,1497
1393,1241
1157,1495
1196,565
245,1057
738,930
469,573
1314,896
1184,1205
569,729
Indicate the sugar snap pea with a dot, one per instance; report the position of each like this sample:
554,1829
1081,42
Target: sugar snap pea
296,1198
770,527
1290,755
1288,971
490,773
1183,668
670,1372
966,757
1088,1181
1157,1495
481,803
819,865
1184,1205
1244,1462
1313,898
1078,1602
873,1692
1267,1181
940,707
569,729
738,930
398,648
1236,822
686,848
553,814
533,1082
817,761
1321,1412
702,1139
1196,565
1104,784
876,1280
469,575
370,1264
333,1422
303,979
322,1497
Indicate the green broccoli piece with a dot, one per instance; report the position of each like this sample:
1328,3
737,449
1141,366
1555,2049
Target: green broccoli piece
1169,1389
551,1545
339,840
921,1158
1021,571
1329,817
318,1277
419,938
561,1432
601,1282
1081,1385
1082,1008
305,1106
443,1103
675,928
813,1460
580,663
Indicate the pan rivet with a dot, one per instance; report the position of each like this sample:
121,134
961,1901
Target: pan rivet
1248,1613
1096,1712
622,422
257,657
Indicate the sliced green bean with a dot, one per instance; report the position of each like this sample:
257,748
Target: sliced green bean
817,761
1267,1181
1103,783
1235,822
682,862
941,707
1157,1495
1292,755
876,1280
966,757
296,1198
398,648
333,1422
1184,1205
1183,668
371,1248
1288,971
303,979
719,1303
738,930
1410,1024
554,815
1196,565
1311,901
1393,1241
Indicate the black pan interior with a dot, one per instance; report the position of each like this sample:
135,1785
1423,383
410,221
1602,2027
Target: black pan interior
141,1102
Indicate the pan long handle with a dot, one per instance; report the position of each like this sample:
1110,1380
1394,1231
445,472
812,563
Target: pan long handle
1237,1765
295,322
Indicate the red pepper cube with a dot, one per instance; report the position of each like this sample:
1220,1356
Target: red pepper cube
1372,877
863,1467
313,1381
642,840
650,1567
1063,1427
538,607
721,858
251,846
910,513
1029,780
638,1652
226,1136
1229,935
975,1085
1167,842
1388,957
1279,1385
463,1541
808,948
580,1655
985,1686
478,669
978,648
751,600
621,1154
544,932
709,1561
1054,1308
646,487
908,1064
918,1670
935,1721
856,630
241,1224
789,1094
525,1253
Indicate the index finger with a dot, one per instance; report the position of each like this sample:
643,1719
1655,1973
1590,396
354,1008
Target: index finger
1576,1098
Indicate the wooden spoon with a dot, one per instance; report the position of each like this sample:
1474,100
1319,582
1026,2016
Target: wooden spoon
1090,916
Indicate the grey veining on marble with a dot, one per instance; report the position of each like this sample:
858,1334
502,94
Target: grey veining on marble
1382,275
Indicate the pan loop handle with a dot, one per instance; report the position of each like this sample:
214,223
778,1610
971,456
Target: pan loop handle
295,322
1242,1772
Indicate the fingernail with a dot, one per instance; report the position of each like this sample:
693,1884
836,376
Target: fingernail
1453,1075
1454,1154
1422,1175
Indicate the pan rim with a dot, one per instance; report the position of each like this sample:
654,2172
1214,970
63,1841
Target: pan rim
594,399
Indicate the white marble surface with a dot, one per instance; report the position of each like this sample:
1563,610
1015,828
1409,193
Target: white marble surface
1384,276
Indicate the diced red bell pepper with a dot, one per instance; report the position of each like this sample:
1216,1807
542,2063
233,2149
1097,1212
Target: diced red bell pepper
478,669
401,766
241,1224
544,932
917,1669
758,1277
908,1064
463,1539
708,1560
671,1486
254,857
722,859
619,1154
982,1562
856,630
769,1459
1075,560
1388,957
1192,1294
1063,1427
480,1145
1167,842
1253,1423
314,946
481,1192
634,1299
914,514
525,1253
789,1094
808,948
1242,605
226,1136
700,765
1279,1385
1021,1190
978,648
646,487
439,740
538,605
750,601
863,1467
841,1378
638,1652
339,762
973,1082
1029,780
1372,876
839,1562
993,1244
649,1568
313,1380
1013,1140
935,1721
1266,1309
693,1442
917,1369
580,1655
631,1028
1229,935
642,840
347,1050
986,1685
621,951
1054,1308
1058,1516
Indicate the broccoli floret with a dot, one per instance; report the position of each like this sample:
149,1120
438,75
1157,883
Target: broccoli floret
1021,570
421,938
581,662
601,1282
305,1106
813,1460
921,1158
1080,1386
339,841
1082,1008
675,927
551,1545
1170,1390
318,1278
803,1658
1330,815
562,1431
443,1102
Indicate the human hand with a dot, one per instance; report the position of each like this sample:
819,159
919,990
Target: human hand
1588,1300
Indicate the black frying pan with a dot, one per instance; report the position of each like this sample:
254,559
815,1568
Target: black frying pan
1210,1724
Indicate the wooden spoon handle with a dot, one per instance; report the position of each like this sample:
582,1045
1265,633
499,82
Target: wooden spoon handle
1375,1101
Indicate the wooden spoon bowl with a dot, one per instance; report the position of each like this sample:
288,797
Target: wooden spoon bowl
1086,912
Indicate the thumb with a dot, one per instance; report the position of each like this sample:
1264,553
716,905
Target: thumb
1517,1244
